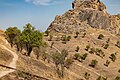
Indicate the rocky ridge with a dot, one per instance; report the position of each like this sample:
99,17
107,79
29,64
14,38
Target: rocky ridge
86,13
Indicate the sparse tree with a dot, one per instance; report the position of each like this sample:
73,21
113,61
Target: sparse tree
60,60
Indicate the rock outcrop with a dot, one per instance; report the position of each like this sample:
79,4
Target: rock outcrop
86,13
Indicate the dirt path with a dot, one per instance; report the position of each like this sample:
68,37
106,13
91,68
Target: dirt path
12,64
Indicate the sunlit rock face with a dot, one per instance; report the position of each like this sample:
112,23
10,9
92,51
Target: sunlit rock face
85,13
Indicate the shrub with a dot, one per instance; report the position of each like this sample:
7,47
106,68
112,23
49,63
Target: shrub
101,78
108,40
99,52
113,57
76,56
79,57
77,48
107,63
47,32
68,38
101,36
84,56
93,63
87,47
106,46
77,33
117,78
92,50
50,38
84,34
68,62
87,76
119,70
65,38
52,44
118,44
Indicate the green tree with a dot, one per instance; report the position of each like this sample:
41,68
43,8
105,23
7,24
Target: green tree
12,33
32,38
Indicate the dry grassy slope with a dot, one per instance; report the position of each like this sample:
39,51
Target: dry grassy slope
77,69
91,38
5,56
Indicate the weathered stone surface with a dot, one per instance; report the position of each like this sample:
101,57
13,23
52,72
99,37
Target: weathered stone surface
86,13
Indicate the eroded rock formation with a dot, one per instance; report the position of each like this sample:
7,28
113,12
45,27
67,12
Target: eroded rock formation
86,13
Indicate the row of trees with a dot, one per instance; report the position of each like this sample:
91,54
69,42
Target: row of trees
26,39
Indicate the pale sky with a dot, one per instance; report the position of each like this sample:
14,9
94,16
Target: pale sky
39,13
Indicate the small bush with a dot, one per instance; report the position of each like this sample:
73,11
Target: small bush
106,46
87,47
47,32
108,40
93,63
77,33
101,36
113,57
87,76
68,62
77,48
84,34
118,44
99,52
117,78
76,56
65,38
107,63
50,38
119,70
84,56
79,57
101,78
92,50
52,44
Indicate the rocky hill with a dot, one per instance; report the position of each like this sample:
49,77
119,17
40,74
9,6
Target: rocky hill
89,36
85,13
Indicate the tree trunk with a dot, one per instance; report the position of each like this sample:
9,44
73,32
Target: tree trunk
29,51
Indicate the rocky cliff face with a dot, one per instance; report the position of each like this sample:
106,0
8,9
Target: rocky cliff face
86,13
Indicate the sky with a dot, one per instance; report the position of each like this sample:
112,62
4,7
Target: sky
40,13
